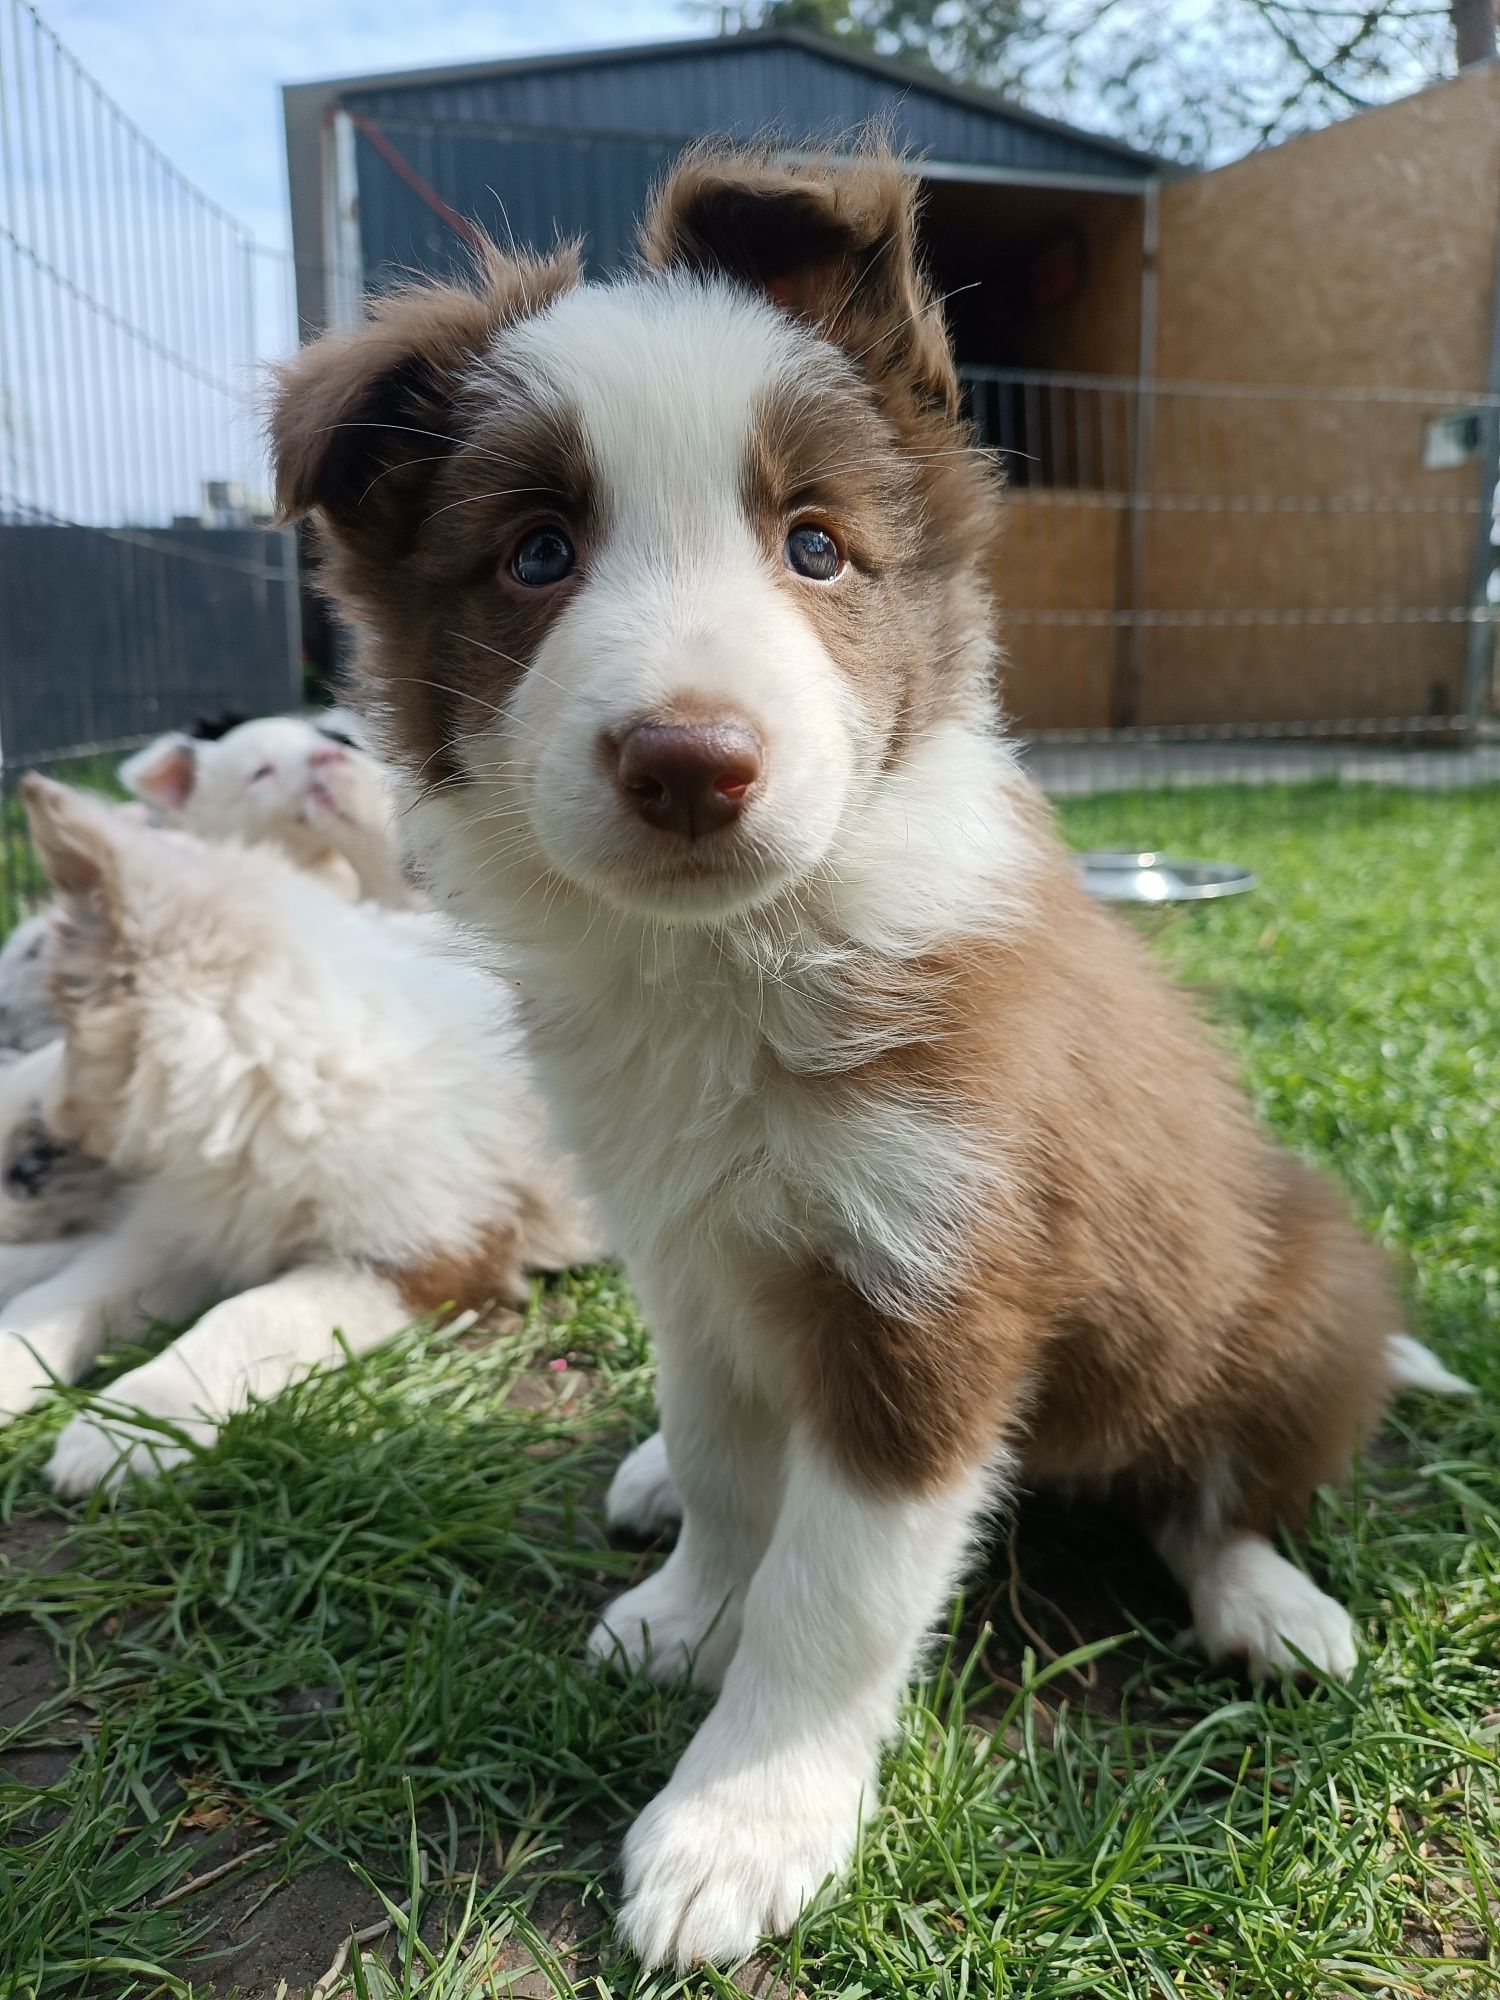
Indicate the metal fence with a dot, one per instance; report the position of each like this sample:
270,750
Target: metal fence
138,582
1208,581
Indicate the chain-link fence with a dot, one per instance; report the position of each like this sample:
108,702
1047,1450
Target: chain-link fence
1207,581
139,584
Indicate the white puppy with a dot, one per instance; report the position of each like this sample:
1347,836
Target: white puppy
303,783
322,1110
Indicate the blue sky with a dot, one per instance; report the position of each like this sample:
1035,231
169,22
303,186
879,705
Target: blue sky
202,77
96,428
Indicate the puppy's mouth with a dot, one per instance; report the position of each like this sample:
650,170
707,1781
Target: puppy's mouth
320,798
669,881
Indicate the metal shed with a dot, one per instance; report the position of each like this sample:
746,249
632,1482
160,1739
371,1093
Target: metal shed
568,145
1249,417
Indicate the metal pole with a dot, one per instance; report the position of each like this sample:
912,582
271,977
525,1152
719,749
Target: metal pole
1482,615
1126,694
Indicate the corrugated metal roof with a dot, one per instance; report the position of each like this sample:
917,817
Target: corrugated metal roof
797,85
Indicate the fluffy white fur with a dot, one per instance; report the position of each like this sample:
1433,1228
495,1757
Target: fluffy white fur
322,799
1416,1367
310,1098
26,1017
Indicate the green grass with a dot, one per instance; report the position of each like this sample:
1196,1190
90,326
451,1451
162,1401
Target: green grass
23,887
357,1626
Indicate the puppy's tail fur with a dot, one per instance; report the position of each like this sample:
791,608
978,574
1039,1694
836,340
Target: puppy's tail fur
1414,1366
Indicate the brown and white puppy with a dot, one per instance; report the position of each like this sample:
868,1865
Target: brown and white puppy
674,596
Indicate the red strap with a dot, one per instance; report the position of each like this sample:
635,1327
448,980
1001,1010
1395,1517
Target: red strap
459,224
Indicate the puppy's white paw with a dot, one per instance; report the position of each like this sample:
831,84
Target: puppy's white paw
717,1862
1252,1604
91,1452
642,1499
671,1626
23,1379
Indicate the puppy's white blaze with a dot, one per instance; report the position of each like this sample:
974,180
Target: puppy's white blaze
775,1784
681,603
666,378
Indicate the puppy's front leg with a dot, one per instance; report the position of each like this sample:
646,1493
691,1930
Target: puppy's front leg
250,1346
767,1800
110,1286
725,1453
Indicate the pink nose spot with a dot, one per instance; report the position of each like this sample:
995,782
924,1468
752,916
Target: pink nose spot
326,753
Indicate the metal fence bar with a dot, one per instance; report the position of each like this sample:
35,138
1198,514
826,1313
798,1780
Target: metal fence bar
137,586
1244,563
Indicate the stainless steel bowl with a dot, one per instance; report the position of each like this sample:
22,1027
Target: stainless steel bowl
1154,879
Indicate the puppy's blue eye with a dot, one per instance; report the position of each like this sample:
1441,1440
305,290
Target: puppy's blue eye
813,552
546,556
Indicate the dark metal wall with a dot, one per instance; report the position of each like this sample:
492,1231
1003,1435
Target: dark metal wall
113,635
571,148
530,188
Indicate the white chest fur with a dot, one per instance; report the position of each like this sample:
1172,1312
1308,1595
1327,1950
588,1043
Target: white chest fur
718,1108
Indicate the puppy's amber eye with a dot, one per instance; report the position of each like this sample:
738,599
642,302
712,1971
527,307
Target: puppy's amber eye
545,557
813,553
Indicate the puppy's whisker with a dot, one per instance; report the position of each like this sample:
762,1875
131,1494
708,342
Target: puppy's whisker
531,669
412,430
446,687
474,499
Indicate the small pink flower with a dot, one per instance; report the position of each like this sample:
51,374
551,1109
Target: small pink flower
559,1366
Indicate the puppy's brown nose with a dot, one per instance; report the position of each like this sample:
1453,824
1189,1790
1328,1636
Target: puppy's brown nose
690,777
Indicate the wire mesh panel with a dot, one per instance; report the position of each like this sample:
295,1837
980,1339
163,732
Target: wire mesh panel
1221,580
137,586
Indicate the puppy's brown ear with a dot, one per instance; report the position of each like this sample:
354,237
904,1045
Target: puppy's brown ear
359,419
74,842
831,240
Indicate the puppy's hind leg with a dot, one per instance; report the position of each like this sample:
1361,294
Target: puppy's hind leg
249,1347
1248,1602
1302,1381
